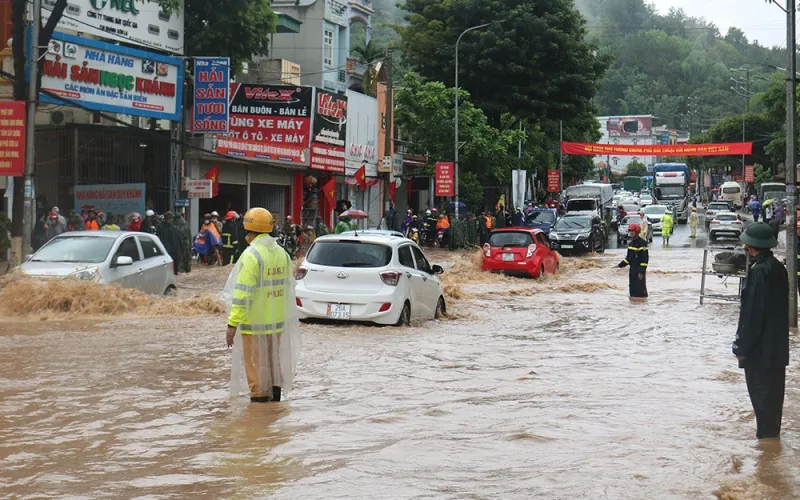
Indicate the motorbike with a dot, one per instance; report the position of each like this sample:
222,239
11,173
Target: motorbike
413,235
428,235
286,242
441,237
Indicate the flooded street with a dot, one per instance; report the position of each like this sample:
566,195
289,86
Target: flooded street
557,388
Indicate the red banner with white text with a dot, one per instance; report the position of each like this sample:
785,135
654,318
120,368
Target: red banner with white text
723,149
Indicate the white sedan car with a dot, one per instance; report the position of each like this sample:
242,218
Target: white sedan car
131,260
654,214
384,279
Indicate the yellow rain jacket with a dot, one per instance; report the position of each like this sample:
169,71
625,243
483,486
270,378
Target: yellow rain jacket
666,224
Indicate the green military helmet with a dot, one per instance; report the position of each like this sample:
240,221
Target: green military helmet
759,235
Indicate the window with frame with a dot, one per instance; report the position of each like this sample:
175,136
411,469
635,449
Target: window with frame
149,247
328,48
422,262
404,256
128,248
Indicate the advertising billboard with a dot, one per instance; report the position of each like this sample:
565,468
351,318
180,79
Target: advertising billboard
112,78
111,198
553,181
140,22
212,85
330,132
268,122
362,134
12,138
445,178
630,126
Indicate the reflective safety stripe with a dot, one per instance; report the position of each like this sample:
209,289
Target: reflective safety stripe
637,249
625,261
262,327
245,288
240,302
643,265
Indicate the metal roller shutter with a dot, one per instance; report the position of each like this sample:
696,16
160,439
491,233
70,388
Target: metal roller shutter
271,197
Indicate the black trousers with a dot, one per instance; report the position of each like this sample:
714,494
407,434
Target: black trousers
637,287
766,387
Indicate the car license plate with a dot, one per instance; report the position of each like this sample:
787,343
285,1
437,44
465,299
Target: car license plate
566,246
508,257
339,311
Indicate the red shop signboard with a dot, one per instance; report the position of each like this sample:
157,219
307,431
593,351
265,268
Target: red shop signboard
445,178
553,181
12,138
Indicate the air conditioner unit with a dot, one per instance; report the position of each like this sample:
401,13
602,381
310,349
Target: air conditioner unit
62,117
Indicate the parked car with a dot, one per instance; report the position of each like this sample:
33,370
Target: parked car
725,224
623,235
542,218
716,207
578,233
654,214
128,259
384,232
379,278
523,251
645,200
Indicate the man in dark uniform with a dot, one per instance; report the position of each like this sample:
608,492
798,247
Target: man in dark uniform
186,244
171,239
230,238
637,258
762,337
501,217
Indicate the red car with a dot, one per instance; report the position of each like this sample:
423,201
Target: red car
519,250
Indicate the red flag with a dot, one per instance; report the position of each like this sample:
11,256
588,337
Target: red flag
213,175
393,192
329,190
361,177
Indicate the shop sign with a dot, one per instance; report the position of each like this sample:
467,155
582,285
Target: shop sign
12,138
139,22
200,188
336,12
111,198
383,129
397,165
268,122
112,78
211,87
362,133
445,178
749,175
330,132
553,181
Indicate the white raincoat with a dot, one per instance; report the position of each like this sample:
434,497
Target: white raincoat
261,298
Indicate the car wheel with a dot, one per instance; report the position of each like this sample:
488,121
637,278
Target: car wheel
441,309
170,291
405,315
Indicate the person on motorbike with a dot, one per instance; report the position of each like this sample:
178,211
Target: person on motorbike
404,227
442,229
288,230
429,225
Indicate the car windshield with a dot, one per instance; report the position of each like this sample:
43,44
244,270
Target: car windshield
544,217
718,206
655,210
630,208
349,253
731,190
510,239
774,195
671,191
89,249
573,223
632,219
579,205
726,217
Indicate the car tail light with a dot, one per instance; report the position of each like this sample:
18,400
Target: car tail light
531,249
715,222
737,222
487,250
298,302
385,307
391,278
300,273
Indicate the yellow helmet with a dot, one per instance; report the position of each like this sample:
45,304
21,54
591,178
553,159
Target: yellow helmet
258,220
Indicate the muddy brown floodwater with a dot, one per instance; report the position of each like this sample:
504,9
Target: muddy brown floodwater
559,388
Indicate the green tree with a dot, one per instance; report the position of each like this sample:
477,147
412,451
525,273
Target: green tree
637,168
534,63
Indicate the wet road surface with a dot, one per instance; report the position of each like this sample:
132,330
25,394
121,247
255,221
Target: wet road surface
557,388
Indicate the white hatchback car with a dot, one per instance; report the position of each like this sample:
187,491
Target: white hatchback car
384,279
726,224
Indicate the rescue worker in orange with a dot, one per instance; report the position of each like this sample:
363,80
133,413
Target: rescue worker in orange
91,223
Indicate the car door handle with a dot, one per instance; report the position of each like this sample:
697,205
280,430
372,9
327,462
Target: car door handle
408,275
424,278
141,270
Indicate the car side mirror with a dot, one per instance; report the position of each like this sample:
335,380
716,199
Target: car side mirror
437,269
122,260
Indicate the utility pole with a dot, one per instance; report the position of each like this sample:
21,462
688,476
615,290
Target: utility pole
791,162
29,211
560,156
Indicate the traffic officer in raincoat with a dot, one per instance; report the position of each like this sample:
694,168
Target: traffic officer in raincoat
694,221
667,224
637,258
263,326
762,336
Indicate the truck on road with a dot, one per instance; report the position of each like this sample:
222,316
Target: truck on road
672,188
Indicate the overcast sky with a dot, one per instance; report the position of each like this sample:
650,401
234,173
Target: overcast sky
759,20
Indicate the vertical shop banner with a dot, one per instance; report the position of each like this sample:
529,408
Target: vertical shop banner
445,179
384,128
330,132
749,174
362,134
111,198
553,181
12,138
268,122
211,87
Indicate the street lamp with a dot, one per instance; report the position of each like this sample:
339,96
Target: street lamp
455,162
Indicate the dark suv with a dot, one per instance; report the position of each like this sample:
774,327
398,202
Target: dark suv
578,233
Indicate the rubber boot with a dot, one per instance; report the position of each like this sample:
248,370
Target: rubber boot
262,399
276,393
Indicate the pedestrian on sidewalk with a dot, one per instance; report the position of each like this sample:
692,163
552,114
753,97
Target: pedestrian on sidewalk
263,326
762,336
694,220
638,258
